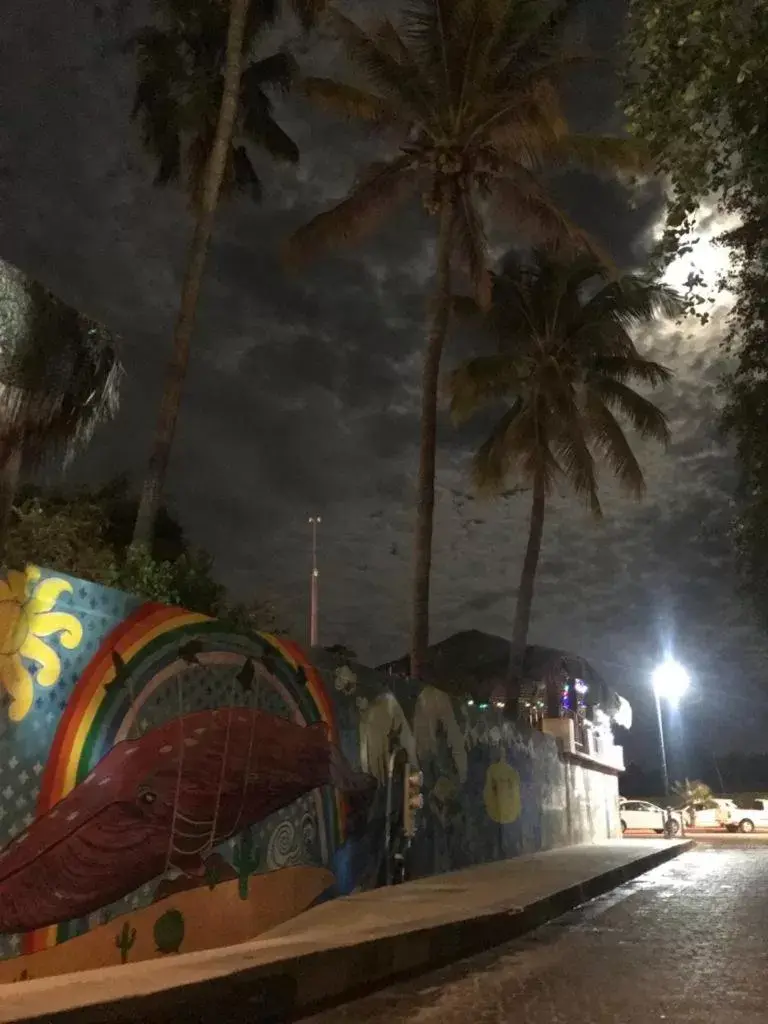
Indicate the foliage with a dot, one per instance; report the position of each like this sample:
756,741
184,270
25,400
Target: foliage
59,371
697,74
179,91
695,94
87,534
563,379
691,791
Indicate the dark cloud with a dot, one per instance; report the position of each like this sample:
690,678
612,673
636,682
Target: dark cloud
303,391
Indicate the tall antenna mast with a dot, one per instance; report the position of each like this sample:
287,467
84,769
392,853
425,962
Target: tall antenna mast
314,522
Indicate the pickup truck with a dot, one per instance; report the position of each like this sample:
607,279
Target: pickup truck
747,819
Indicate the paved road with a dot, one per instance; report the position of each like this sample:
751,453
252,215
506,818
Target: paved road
682,943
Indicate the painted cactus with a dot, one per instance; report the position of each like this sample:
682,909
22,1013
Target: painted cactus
246,860
169,931
124,941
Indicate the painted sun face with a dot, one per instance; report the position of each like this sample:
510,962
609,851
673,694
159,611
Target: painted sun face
26,619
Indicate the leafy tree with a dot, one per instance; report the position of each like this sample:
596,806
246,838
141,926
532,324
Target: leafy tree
87,535
690,792
59,379
465,92
563,369
698,75
202,103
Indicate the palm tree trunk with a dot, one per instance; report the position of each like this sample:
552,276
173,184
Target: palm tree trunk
10,471
522,620
425,507
196,257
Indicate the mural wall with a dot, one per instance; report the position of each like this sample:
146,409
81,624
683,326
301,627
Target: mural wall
167,786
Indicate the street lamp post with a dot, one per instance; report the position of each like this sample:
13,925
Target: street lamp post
670,682
314,522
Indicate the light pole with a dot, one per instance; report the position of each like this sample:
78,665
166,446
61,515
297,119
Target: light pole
670,682
314,522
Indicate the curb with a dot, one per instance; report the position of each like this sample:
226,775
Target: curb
295,987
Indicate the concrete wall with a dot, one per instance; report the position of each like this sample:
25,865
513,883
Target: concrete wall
167,786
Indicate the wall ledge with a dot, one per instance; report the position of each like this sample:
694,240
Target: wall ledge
576,757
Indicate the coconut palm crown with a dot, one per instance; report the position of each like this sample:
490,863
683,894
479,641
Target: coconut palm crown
563,371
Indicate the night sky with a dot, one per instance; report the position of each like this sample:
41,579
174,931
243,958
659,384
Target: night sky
303,391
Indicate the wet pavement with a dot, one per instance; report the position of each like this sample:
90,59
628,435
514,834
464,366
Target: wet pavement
680,943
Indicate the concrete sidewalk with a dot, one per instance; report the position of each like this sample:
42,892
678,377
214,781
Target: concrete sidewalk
341,949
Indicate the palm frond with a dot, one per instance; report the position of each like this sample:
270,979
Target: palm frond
60,374
613,446
308,11
631,367
645,417
374,197
521,197
427,33
472,248
632,301
599,154
523,125
517,447
244,177
261,128
479,381
571,448
279,71
465,307
523,32
348,100
398,78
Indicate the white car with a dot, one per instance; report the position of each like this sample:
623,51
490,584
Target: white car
747,819
712,813
639,814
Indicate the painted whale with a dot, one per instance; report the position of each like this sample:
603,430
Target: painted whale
161,801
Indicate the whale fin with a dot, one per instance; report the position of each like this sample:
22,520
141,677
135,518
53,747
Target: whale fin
358,788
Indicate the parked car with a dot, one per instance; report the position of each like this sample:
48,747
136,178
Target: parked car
747,819
639,814
711,813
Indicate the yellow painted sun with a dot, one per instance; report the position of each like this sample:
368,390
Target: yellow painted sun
26,618
501,793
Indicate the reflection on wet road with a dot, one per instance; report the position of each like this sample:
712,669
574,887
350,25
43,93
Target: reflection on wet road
681,943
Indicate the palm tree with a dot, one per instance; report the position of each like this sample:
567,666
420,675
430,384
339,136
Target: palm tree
59,379
202,104
464,90
689,793
564,367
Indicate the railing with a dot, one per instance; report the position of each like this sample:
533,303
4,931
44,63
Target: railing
580,736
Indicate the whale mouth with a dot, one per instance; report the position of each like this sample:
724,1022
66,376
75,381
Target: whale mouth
110,854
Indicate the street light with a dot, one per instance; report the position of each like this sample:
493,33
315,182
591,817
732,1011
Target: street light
670,682
314,522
